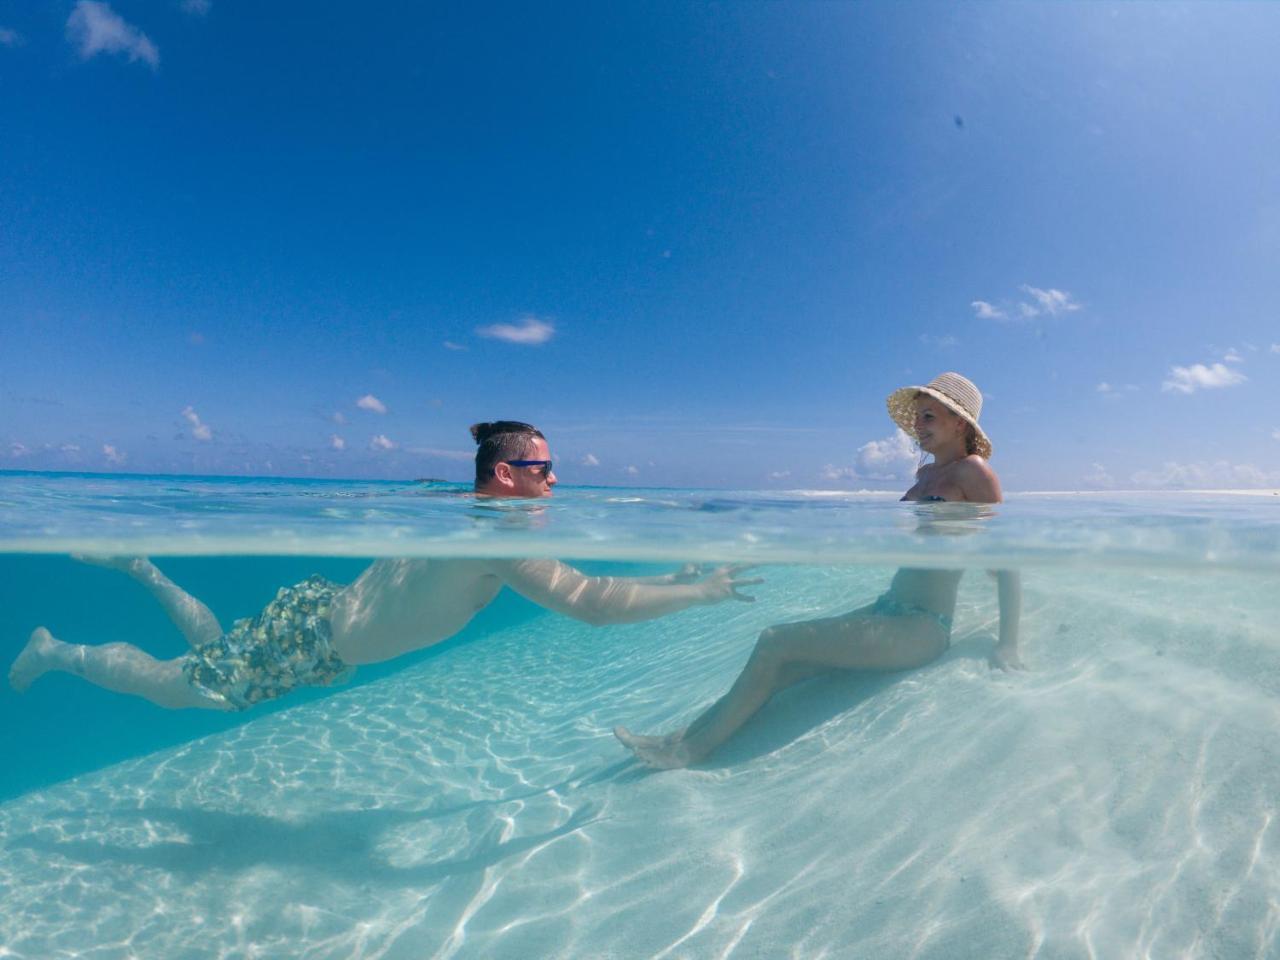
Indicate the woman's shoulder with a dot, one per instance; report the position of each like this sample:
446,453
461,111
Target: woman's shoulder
977,479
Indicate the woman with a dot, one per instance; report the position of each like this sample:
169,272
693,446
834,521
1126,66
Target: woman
909,625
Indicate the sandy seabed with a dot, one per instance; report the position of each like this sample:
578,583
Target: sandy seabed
1117,801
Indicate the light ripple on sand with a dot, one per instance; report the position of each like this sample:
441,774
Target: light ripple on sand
1115,802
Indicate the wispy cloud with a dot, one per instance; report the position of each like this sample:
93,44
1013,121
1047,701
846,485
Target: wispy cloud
830,473
338,417
113,455
9,37
1053,302
443,453
372,404
1099,477
590,460
779,474
530,331
1049,302
1219,474
632,470
1232,356
199,430
1198,376
197,8
450,345
337,443
381,442
1275,434
1275,348
985,311
95,28
18,450
941,343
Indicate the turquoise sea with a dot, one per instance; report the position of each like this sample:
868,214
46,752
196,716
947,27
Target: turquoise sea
1116,800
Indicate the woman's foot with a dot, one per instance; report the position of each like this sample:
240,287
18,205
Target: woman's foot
34,661
664,753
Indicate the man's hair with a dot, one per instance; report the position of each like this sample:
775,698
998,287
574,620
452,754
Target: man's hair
499,441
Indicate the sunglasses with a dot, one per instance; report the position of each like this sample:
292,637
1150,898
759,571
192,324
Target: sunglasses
544,464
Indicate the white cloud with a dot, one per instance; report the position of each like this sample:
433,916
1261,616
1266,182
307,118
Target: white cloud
18,450
779,474
337,443
1216,475
113,455
985,311
1275,434
893,458
338,417
95,28
9,38
1105,387
530,331
197,8
450,345
371,403
70,448
1053,302
1275,348
590,460
380,442
632,470
1201,377
1098,477
1231,356
199,430
832,473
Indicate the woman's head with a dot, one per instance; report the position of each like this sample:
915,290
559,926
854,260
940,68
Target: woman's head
942,413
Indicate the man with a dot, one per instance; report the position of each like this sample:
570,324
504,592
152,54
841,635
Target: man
317,632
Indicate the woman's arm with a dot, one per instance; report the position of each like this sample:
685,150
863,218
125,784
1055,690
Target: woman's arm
603,600
1009,589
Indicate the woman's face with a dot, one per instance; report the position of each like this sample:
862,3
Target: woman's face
936,426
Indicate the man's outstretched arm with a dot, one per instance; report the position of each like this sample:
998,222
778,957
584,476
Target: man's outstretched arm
603,600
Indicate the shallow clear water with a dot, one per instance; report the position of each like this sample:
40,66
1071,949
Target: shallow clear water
470,801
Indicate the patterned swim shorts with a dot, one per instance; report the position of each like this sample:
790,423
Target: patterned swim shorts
264,657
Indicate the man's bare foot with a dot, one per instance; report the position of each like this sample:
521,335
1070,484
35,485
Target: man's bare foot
123,564
34,661
664,753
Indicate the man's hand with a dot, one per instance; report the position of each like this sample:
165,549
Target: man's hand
1005,658
722,583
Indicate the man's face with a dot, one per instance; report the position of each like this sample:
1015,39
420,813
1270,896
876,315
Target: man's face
533,481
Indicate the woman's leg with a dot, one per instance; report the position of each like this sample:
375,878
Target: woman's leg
785,655
121,667
193,618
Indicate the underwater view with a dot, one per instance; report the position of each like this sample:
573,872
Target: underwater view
470,799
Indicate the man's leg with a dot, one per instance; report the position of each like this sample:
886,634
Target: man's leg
193,618
121,667
785,655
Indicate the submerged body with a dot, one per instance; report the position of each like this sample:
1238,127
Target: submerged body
906,627
316,632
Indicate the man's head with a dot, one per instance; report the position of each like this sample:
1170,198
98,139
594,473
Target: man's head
512,460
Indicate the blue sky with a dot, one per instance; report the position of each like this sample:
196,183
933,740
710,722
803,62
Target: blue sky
696,244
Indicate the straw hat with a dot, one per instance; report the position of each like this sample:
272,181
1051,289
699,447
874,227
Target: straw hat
959,395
